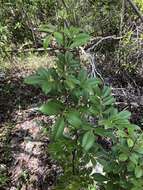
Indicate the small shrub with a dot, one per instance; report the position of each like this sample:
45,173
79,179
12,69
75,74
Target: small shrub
88,127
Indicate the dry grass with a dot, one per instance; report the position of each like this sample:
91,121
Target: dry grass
30,62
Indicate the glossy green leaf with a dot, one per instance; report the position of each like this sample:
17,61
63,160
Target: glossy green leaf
80,40
139,149
106,91
134,158
131,166
74,119
90,83
43,72
99,177
123,157
47,87
52,107
108,100
58,128
59,37
68,57
47,42
82,76
49,28
125,114
33,80
88,140
138,172
40,77
100,131
72,82
130,143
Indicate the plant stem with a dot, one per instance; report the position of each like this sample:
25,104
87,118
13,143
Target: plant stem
74,152
73,161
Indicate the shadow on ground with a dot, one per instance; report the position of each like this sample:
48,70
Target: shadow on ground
16,96
23,147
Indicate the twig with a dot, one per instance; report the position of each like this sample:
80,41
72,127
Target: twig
18,51
134,104
89,47
95,43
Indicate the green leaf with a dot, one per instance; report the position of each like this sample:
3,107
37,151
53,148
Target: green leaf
44,73
108,100
47,28
47,87
82,76
139,149
131,166
134,158
111,186
103,132
58,128
99,178
106,91
91,82
74,119
72,31
68,57
124,114
138,172
39,78
135,188
130,143
123,157
52,107
88,140
72,82
80,40
33,80
100,131
47,41
59,38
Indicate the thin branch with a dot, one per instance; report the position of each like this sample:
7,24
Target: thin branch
92,45
88,47
18,51
133,104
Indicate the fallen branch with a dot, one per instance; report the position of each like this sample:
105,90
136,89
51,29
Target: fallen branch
98,40
30,50
93,43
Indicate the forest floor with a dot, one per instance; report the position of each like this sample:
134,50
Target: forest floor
25,163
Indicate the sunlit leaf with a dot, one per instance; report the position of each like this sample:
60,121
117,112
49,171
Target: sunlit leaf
47,42
123,157
52,107
80,40
88,140
58,128
138,172
130,143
